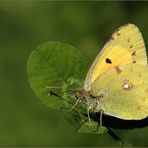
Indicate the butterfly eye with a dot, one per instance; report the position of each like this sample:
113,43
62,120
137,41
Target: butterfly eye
108,61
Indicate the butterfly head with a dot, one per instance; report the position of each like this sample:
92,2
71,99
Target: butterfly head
86,98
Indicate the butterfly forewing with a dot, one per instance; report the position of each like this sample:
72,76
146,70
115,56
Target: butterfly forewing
125,46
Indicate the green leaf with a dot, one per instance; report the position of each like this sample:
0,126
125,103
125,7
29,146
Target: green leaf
58,65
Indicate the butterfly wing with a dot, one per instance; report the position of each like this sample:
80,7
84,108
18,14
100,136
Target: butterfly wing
125,46
124,94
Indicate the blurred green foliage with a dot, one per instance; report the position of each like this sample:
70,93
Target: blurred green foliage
25,121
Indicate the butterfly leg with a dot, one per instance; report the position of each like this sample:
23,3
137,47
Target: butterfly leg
101,112
88,109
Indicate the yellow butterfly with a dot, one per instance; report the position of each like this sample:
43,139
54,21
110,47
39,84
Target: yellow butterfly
117,81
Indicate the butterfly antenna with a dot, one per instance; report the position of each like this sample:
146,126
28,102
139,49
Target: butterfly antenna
75,104
58,90
55,93
51,93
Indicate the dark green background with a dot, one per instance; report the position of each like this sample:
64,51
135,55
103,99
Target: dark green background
24,120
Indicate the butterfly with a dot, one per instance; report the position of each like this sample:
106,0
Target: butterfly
117,81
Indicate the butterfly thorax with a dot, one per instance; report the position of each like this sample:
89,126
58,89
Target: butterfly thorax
93,103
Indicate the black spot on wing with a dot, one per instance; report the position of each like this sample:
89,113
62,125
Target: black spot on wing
134,61
108,60
133,53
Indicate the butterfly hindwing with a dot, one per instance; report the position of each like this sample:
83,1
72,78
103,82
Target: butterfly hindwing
125,46
125,93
